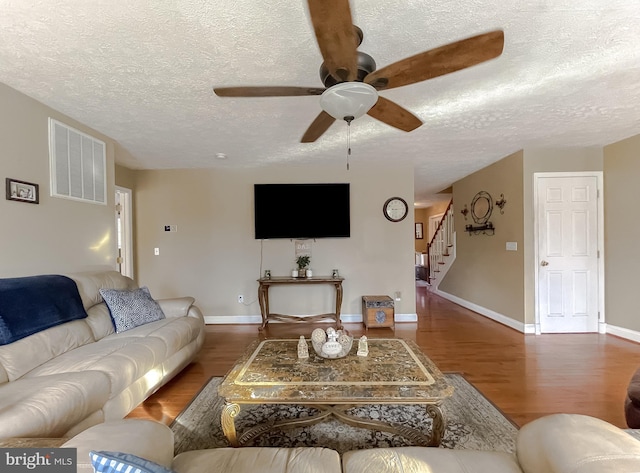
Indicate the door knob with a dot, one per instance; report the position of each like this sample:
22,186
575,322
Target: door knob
544,263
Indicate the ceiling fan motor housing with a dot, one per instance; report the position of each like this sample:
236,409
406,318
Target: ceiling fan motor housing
366,65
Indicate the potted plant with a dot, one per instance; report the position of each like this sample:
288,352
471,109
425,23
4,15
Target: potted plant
303,263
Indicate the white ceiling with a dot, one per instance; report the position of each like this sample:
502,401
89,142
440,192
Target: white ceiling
142,73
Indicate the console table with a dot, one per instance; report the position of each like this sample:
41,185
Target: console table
263,298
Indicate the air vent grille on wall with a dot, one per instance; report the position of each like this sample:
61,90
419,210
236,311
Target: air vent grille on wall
78,164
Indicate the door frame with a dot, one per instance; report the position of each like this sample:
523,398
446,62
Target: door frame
602,327
127,243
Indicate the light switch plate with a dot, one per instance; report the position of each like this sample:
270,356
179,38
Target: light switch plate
512,246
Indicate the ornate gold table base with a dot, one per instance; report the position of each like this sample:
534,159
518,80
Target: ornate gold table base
395,372
231,410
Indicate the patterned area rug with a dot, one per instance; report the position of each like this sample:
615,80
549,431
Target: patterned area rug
473,422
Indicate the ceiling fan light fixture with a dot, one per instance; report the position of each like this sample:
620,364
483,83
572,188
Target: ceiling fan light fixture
348,99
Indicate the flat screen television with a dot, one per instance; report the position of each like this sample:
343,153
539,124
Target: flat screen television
302,211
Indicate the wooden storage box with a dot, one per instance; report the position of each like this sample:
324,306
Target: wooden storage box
377,311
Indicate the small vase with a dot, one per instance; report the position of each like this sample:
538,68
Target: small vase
302,272
294,273
309,273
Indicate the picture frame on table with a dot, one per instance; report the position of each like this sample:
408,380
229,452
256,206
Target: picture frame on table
22,191
419,231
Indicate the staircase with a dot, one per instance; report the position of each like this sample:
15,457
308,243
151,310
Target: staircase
441,250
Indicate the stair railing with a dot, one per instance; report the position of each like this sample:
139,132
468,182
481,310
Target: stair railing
440,243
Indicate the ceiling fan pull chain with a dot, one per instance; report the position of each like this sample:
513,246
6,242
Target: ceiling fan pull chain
348,120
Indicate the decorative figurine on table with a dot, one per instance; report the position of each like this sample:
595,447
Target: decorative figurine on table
303,348
363,346
332,343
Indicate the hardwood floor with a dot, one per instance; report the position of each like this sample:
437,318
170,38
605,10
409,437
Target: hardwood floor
526,376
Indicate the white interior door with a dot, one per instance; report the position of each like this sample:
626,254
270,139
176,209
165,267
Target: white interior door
567,256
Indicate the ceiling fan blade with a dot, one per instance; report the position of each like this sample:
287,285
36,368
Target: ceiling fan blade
267,91
393,114
336,37
439,61
318,127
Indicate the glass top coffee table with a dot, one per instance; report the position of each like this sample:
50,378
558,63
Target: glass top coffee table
394,372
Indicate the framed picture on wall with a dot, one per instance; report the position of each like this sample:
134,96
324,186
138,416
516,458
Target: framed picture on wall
22,191
419,233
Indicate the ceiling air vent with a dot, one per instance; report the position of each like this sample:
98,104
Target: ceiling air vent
78,164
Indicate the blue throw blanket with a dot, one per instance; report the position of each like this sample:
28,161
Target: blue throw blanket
31,304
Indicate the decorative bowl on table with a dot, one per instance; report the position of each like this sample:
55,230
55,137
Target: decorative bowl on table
332,343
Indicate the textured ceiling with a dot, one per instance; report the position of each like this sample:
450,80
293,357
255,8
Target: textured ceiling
142,73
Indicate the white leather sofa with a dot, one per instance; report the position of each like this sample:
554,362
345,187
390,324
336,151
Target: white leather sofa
557,443
66,378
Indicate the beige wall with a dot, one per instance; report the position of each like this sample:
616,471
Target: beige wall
57,235
622,231
420,215
214,257
125,177
484,272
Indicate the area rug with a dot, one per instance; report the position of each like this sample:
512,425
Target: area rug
473,422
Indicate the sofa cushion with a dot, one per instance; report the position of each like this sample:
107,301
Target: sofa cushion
131,308
90,283
49,406
124,360
31,304
100,321
175,333
576,443
146,438
118,462
259,459
24,355
427,459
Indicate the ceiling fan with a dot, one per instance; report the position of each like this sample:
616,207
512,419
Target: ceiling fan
350,76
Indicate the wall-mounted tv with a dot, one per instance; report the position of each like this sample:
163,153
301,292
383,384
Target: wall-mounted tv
302,211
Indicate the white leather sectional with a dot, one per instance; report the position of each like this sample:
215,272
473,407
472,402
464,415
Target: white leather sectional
557,443
67,378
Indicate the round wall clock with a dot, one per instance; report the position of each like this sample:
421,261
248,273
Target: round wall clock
395,209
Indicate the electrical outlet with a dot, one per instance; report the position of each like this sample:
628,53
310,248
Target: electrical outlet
240,299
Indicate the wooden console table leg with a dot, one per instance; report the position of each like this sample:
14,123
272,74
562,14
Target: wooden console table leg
338,304
263,300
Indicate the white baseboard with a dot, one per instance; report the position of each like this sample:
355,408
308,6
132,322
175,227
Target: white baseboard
232,319
622,332
400,318
503,319
397,318
257,319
